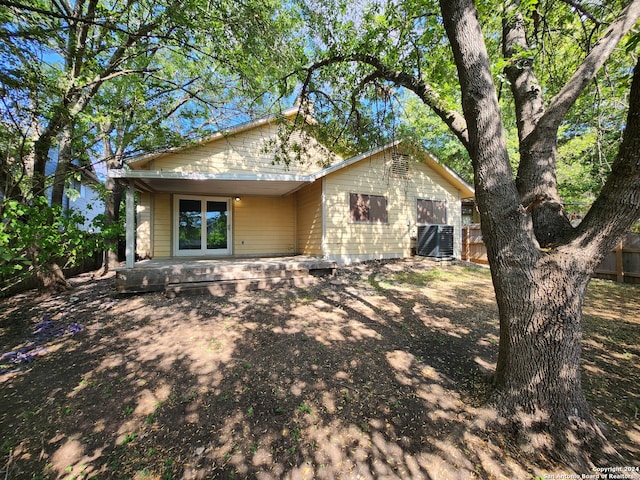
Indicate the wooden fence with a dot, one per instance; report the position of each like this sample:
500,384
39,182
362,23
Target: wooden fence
473,249
621,265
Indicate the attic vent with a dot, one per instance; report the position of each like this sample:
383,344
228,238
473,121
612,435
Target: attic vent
399,164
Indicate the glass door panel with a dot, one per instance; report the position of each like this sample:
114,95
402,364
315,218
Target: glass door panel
203,226
216,217
190,224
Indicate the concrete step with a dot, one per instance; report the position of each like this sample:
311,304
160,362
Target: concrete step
223,287
154,276
157,279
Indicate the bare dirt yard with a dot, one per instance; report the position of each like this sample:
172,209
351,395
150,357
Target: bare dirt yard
379,372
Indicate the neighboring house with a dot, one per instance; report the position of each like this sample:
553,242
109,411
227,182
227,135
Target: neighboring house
85,199
81,193
226,196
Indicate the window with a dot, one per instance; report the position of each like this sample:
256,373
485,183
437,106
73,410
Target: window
432,212
467,213
368,208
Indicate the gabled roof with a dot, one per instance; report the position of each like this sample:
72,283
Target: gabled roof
252,183
141,160
268,183
466,190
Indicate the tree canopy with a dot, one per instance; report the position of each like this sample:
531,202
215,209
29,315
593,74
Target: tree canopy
77,63
381,46
82,82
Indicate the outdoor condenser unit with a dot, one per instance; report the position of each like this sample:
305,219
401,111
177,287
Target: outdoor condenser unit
435,241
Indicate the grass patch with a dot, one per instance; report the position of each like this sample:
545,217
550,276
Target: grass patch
420,278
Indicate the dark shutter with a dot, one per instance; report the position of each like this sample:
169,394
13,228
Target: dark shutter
368,208
431,212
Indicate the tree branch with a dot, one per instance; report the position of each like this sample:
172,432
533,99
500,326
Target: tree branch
454,120
70,17
583,11
110,71
182,87
526,89
538,127
118,73
81,41
620,196
586,72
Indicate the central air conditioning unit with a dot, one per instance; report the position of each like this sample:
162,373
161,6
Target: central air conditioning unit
435,241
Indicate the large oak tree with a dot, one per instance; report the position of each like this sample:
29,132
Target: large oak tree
540,262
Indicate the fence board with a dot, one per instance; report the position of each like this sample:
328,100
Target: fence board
473,248
621,265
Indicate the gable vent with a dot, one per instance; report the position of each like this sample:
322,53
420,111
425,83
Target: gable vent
399,165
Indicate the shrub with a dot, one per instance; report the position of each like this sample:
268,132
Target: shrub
36,234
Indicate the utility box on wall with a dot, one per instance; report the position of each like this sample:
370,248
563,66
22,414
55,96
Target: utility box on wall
435,241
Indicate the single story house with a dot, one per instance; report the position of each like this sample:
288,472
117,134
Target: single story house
228,196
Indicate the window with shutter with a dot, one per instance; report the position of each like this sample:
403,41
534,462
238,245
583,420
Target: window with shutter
368,208
431,212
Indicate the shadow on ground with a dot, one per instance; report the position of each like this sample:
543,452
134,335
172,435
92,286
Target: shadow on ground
379,372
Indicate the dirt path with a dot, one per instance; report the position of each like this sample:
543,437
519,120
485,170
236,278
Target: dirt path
379,372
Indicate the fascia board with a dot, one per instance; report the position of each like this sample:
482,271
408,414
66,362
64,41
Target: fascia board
159,174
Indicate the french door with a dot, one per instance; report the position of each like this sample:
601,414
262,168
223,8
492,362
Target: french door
202,226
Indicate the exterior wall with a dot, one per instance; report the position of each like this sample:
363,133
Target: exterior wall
161,233
348,242
264,226
313,221
88,203
85,199
309,219
143,229
261,226
250,151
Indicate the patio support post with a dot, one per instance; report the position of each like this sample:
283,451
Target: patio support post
130,225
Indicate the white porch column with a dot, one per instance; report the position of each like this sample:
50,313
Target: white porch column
130,226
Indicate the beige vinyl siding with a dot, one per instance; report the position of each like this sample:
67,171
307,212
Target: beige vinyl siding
143,229
264,226
161,225
249,151
309,219
347,241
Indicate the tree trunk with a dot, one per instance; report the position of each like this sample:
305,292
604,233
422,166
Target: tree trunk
539,290
113,199
49,275
62,168
51,278
538,375
41,147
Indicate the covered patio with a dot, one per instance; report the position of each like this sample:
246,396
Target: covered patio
229,189
220,275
